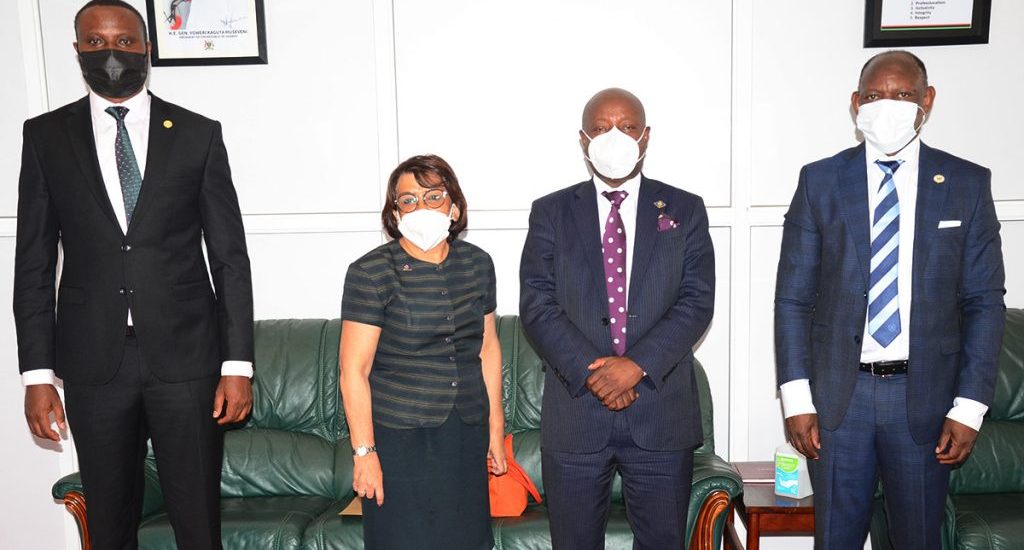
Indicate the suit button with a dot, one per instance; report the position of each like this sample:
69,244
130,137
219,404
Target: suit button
447,317
604,321
448,340
126,247
444,292
451,358
455,384
856,339
122,291
865,295
131,291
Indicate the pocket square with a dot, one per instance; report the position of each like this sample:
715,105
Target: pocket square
666,223
945,224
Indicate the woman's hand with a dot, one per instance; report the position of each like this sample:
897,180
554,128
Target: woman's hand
497,463
367,478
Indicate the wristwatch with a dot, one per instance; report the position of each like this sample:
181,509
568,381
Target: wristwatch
363,450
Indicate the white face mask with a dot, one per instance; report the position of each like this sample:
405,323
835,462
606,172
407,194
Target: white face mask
614,154
425,228
888,124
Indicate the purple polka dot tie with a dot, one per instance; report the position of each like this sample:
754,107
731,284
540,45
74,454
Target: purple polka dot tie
613,245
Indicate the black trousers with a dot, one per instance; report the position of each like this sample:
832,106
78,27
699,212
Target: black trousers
111,423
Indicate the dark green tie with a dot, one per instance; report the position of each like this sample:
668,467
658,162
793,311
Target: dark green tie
127,166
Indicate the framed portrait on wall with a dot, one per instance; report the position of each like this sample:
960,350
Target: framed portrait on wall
207,32
899,23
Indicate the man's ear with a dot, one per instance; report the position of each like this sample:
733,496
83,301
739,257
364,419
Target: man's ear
855,101
149,48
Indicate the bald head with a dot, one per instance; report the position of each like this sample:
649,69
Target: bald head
898,61
615,99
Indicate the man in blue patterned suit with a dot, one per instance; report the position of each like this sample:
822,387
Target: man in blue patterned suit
888,315
617,286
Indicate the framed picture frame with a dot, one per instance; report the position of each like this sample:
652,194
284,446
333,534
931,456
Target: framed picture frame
207,32
900,23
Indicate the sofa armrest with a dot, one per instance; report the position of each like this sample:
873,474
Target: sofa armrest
69,490
715,484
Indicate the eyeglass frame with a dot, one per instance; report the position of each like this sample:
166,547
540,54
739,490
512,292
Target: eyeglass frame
421,198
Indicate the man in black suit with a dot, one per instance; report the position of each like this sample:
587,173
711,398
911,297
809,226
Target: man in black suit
130,187
617,286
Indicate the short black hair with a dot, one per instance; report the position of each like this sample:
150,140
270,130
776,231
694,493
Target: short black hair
917,61
115,4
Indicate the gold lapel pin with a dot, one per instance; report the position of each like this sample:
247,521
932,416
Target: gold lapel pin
939,178
406,267
168,124
659,204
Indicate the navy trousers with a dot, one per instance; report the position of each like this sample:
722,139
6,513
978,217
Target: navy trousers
874,440
655,485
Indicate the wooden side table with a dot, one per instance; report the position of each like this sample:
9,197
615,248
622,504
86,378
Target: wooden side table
765,514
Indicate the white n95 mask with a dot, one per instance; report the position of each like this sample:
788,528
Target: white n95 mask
888,124
425,228
613,154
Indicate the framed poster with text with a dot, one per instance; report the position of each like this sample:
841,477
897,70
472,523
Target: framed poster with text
207,32
899,23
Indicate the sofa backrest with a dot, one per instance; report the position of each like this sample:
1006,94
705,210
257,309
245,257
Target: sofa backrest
523,387
287,445
996,464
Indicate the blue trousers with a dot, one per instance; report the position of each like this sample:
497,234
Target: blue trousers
874,440
655,485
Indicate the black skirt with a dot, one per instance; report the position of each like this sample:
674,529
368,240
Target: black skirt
435,489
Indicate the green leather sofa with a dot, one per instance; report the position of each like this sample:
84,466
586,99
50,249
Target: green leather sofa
288,471
985,508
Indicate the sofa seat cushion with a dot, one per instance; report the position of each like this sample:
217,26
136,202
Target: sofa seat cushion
271,523
990,522
531,532
334,532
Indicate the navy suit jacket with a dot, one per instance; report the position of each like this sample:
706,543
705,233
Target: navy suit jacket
564,310
957,311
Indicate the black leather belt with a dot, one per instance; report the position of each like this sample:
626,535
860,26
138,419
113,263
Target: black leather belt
129,330
885,368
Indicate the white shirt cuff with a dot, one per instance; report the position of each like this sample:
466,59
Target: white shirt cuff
236,368
38,376
968,412
796,398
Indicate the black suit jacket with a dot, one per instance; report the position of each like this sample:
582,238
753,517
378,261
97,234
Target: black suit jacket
564,309
185,329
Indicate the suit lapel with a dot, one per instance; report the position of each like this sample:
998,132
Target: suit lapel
646,231
931,197
853,198
161,140
83,144
587,227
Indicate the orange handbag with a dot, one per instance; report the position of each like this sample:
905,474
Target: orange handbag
508,492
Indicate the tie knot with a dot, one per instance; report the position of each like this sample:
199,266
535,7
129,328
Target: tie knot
118,112
615,197
889,166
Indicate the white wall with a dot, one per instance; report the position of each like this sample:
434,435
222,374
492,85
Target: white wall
739,95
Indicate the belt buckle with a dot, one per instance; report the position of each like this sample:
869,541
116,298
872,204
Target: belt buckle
879,375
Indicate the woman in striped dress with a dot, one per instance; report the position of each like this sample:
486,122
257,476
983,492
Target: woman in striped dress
421,370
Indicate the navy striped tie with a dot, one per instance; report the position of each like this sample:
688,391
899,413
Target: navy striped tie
883,298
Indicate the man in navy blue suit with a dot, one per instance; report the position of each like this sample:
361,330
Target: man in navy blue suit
888,315
617,286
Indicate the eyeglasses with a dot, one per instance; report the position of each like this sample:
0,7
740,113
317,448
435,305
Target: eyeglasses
432,198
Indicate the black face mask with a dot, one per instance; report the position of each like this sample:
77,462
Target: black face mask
114,73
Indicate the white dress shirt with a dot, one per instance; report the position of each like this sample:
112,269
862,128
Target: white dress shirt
796,394
104,131
627,211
